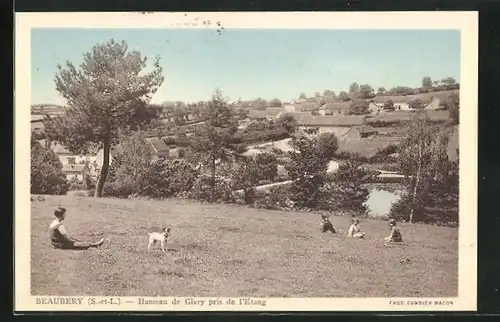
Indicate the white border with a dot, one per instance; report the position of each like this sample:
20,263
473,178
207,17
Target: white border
466,22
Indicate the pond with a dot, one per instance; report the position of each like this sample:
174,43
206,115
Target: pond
381,199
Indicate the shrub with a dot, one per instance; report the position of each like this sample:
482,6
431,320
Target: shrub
382,155
382,123
267,165
38,135
347,196
46,171
77,184
346,155
287,122
389,106
417,104
168,178
245,175
118,189
345,190
182,153
278,198
359,107
201,189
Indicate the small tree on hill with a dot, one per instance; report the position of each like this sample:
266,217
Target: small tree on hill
424,160
417,104
366,91
328,92
46,171
245,175
343,97
426,81
353,88
213,141
308,167
106,95
288,122
275,103
449,81
345,190
359,107
389,106
381,90
452,105
268,165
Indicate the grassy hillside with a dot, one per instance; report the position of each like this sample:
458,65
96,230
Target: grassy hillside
219,250
442,95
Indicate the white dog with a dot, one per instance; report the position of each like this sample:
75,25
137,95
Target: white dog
160,237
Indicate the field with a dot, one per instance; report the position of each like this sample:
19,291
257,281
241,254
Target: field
366,147
404,116
222,250
442,95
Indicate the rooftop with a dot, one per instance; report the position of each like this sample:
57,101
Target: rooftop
159,146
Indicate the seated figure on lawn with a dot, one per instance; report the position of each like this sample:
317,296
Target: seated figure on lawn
395,235
326,225
355,230
59,237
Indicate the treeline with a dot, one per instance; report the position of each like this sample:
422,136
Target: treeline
366,91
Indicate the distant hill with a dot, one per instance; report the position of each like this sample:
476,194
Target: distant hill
442,95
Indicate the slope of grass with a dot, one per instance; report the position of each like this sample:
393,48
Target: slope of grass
441,95
223,250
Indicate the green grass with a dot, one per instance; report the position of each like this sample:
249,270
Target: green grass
223,250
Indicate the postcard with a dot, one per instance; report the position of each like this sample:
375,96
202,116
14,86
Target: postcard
246,161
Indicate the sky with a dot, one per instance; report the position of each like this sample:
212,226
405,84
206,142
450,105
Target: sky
251,63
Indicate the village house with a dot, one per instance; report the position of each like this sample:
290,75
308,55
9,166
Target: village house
289,108
76,164
267,114
76,171
434,104
334,109
374,107
345,127
37,123
66,157
309,104
402,103
159,149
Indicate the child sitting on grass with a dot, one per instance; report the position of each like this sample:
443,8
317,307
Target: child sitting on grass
395,235
355,230
59,237
326,225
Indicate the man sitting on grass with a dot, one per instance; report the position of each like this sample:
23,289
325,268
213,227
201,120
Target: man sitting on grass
395,235
60,238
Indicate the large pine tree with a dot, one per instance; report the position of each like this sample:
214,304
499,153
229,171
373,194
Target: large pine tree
108,93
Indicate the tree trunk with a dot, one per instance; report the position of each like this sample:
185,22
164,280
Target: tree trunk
417,181
104,170
212,190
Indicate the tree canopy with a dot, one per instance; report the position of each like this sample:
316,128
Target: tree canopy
107,94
